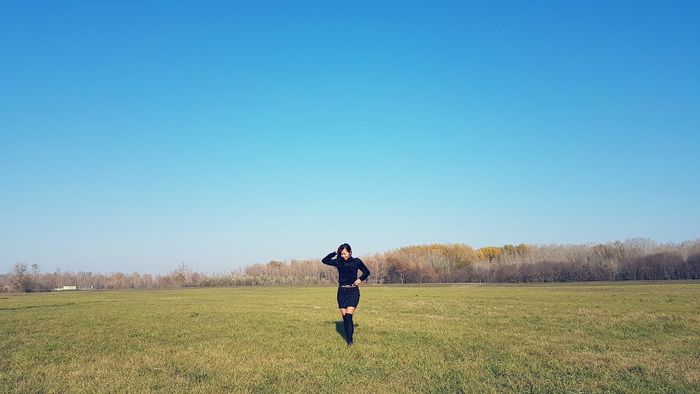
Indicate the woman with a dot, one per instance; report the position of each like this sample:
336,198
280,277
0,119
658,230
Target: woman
348,284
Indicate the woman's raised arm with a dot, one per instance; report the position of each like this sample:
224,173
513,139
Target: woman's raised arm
328,260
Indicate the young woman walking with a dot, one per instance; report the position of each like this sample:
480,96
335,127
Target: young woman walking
348,284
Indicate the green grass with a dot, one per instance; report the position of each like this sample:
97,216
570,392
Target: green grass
606,337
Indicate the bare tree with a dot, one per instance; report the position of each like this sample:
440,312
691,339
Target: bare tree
19,280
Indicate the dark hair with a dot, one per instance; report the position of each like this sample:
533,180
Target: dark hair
346,247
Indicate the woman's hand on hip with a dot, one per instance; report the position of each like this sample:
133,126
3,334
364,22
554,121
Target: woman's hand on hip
357,282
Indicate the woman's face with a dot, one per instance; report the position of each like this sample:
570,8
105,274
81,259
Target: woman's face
345,254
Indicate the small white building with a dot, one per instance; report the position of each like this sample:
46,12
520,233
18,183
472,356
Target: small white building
67,288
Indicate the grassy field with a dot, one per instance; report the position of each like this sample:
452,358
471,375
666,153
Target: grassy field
619,337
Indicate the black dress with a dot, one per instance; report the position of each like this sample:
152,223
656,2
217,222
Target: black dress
348,293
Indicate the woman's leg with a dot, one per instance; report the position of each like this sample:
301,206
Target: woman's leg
348,324
353,301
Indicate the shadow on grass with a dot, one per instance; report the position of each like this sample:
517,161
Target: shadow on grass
339,327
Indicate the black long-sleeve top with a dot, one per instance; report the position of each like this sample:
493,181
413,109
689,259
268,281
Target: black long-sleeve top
347,270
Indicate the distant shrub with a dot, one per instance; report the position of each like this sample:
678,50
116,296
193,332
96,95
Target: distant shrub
636,259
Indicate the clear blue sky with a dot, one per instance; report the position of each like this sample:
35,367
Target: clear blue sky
138,135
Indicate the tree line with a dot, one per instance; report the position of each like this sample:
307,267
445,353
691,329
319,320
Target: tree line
636,259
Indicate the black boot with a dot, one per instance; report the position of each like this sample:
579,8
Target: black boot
345,327
349,328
